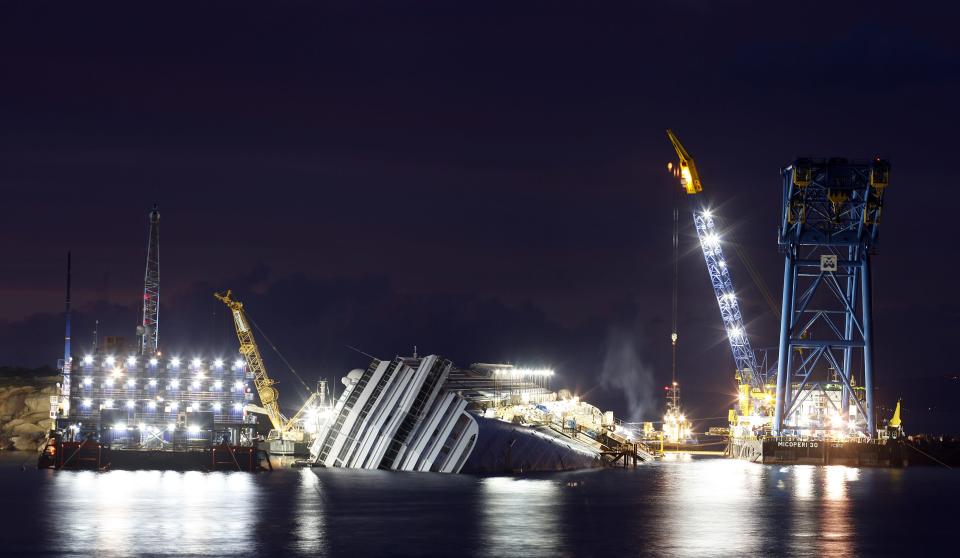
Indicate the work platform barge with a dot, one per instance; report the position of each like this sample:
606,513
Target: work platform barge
130,412
813,451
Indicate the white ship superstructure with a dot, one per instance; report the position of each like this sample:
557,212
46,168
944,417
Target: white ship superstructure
397,415
423,414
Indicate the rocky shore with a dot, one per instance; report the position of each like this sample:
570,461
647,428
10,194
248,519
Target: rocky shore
25,411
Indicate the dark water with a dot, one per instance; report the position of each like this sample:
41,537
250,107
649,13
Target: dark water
708,507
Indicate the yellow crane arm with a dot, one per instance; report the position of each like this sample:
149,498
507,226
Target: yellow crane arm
689,178
251,353
294,422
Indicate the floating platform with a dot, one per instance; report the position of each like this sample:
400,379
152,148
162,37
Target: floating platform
94,456
800,451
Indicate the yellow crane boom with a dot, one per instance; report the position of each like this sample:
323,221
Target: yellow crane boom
689,177
690,180
251,354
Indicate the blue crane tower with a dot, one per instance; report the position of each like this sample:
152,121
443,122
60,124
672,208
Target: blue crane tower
828,230
744,357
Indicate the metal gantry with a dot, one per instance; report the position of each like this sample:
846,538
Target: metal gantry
149,327
828,229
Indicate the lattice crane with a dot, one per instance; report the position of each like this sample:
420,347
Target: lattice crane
305,421
710,243
251,354
147,332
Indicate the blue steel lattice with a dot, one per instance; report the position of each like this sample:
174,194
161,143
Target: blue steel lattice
829,225
743,355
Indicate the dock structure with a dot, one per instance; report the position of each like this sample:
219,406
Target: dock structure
628,455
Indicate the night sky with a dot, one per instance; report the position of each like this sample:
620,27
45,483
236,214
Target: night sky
485,181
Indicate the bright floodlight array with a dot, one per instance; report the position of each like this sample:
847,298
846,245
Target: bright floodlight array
115,381
524,372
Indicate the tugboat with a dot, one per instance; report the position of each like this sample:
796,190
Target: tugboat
677,428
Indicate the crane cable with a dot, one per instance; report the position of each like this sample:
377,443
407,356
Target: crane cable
754,274
676,273
276,350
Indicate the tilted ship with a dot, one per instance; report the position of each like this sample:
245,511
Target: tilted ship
423,414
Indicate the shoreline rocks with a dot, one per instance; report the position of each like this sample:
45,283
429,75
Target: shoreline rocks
25,415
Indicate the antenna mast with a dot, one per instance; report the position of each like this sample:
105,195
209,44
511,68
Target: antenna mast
63,405
147,332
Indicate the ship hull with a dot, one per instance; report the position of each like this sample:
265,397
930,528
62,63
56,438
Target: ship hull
503,447
887,453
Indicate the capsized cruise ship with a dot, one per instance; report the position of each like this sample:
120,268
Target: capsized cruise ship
396,415
423,414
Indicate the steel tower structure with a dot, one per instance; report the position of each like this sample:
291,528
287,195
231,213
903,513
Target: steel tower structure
828,230
60,406
148,330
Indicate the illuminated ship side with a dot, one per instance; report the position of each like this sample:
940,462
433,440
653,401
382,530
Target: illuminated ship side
397,415
422,414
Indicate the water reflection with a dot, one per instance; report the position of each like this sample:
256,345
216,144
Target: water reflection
521,517
803,482
803,527
122,513
820,516
710,508
836,527
310,528
835,482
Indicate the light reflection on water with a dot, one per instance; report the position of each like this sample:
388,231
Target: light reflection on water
711,510
695,508
310,534
127,512
835,536
803,482
529,508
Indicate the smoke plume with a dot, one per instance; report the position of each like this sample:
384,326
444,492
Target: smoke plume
625,372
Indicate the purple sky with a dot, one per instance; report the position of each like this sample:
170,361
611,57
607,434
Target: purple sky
486,182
